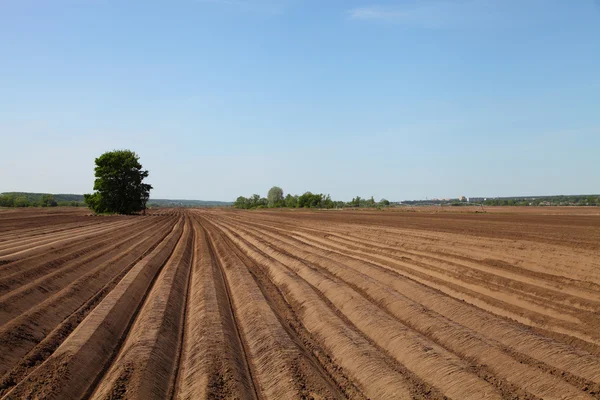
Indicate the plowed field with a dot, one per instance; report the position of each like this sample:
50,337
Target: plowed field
221,304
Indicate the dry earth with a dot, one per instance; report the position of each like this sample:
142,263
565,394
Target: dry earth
217,304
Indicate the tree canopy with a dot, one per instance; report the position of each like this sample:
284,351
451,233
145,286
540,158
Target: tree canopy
48,201
275,197
26,199
119,186
255,201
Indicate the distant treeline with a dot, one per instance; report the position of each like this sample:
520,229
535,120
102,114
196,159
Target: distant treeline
559,200
276,199
25,199
22,199
306,200
157,203
568,200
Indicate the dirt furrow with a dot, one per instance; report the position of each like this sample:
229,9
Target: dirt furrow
545,262
278,367
568,292
51,342
32,291
588,321
456,288
211,365
74,368
14,253
428,360
28,329
552,260
17,245
550,303
320,357
23,224
565,358
16,235
466,343
559,286
38,264
147,361
298,304
526,295
377,375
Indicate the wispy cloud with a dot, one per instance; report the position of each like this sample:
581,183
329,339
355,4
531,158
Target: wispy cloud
428,14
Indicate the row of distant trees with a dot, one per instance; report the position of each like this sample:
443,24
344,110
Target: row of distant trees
276,199
43,200
589,200
559,200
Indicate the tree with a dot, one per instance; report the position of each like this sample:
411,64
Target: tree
310,200
275,197
22,201
291,201
7,200
384,202
47,200
326,202
254,201
240,202
262,202
119,186
355,202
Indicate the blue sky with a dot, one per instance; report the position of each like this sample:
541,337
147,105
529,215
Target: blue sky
395,99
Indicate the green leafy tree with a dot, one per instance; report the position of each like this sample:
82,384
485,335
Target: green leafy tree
310,200
384,202
47,200
254,201
315,201
370,202
7,200
275,197
356,202
326,202
241,202
22,201
304,200
262,202
119,186
291,201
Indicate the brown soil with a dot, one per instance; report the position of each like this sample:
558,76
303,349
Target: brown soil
411,303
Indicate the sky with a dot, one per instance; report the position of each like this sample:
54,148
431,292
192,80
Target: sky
221,98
